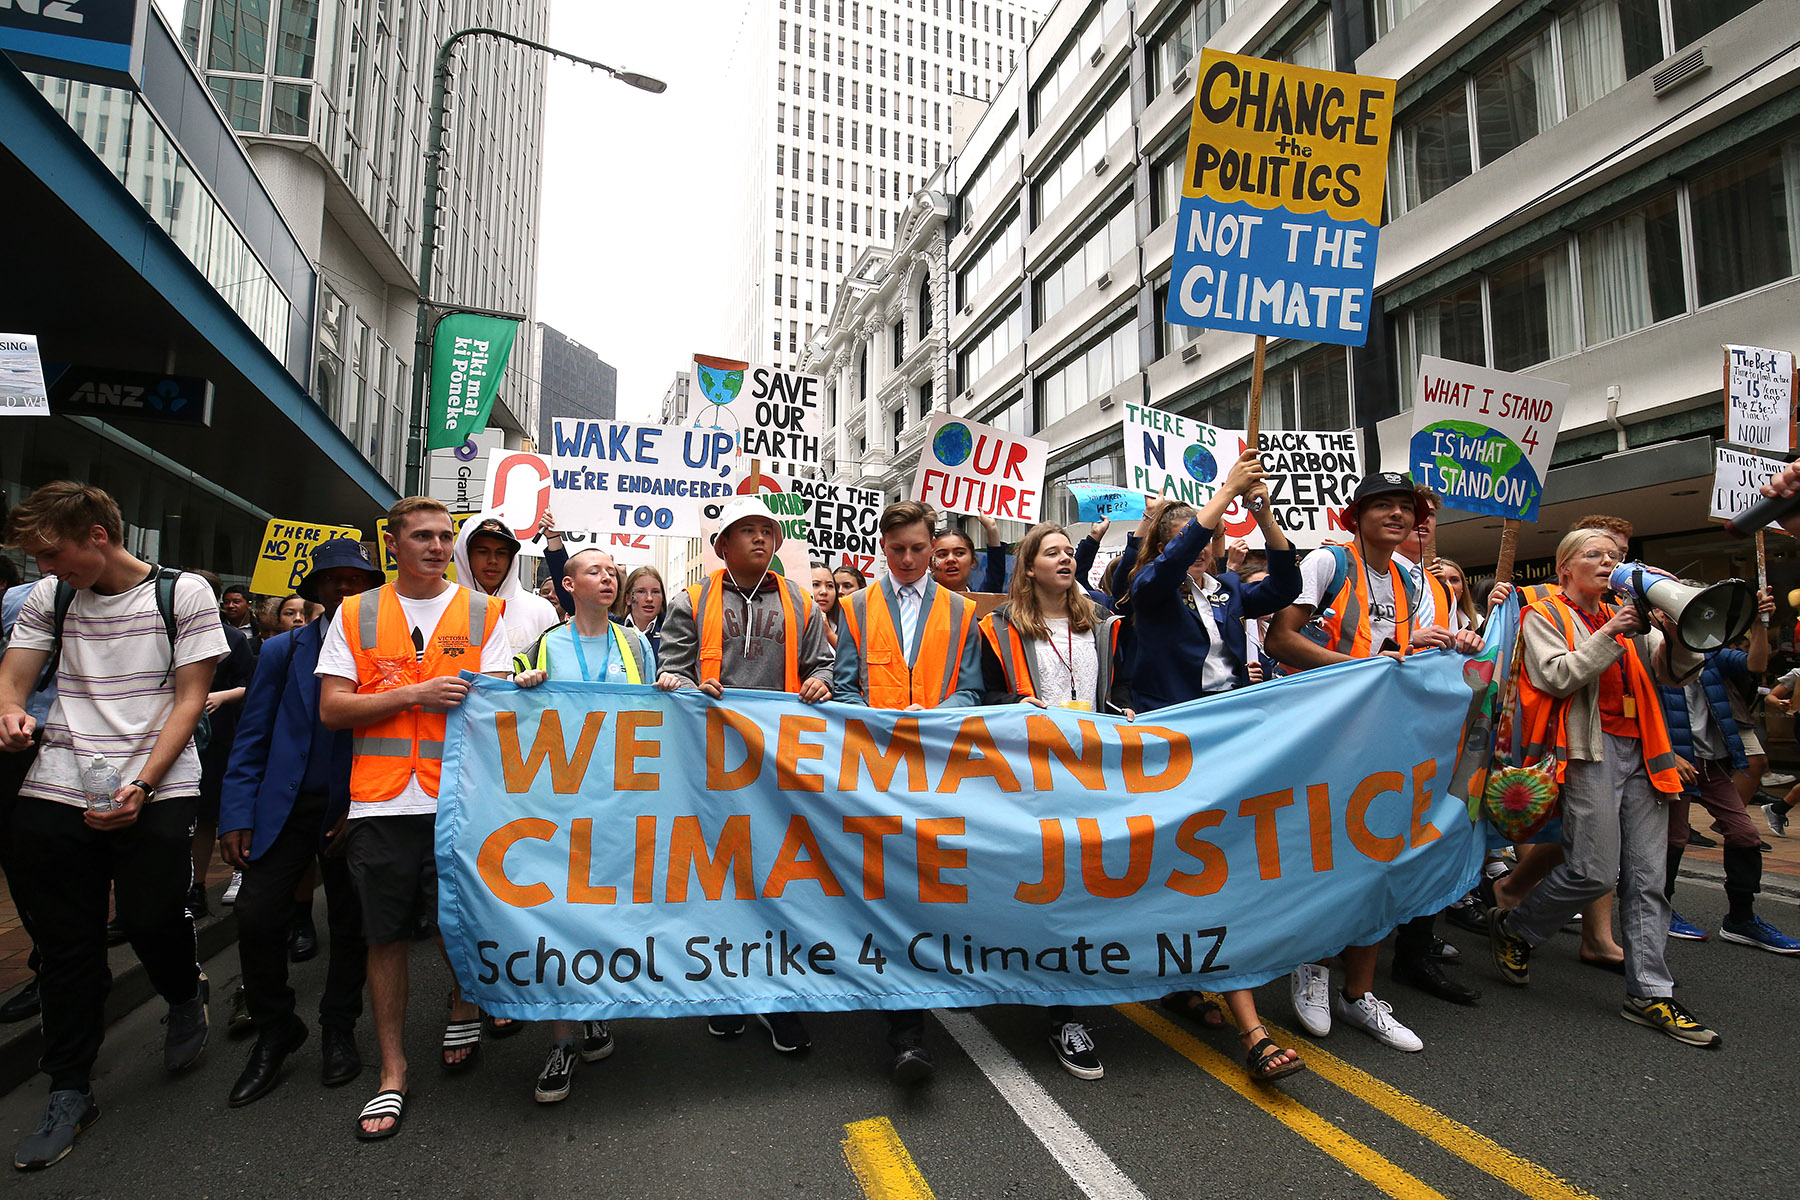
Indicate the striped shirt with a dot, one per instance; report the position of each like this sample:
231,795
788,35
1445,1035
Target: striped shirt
115,684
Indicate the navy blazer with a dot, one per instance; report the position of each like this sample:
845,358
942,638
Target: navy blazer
1173,641
275,738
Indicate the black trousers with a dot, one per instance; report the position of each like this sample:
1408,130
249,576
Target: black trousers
13,769
1415,937
264,903
65,871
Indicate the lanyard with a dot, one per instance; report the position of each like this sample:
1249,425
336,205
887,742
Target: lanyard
1069,662
581,655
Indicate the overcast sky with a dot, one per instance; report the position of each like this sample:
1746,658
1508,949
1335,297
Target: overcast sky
632,250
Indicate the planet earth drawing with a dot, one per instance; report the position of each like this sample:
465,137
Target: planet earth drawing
1200,463
952,445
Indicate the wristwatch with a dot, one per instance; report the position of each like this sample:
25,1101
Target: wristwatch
140,785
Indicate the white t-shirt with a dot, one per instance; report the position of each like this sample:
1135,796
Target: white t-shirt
1219,673
1066,662
1315,577
422,616
112,695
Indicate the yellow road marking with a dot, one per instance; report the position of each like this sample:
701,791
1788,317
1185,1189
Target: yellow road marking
1520,1174
879,1160
1365,1161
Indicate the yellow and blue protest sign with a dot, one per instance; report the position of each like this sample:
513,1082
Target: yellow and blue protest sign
284,555
606,850
1281,203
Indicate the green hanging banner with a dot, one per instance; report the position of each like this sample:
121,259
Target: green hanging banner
468,357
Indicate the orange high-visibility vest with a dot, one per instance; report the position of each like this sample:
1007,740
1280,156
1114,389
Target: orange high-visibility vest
1547,717
1440,596
1346,618
1019,661
708,601
944,628
411,741
1531,593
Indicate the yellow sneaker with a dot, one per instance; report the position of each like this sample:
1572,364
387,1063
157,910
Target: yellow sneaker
1665,1013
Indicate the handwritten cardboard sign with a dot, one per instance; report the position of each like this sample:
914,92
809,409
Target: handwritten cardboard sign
1759,397
1482,439
968,467
284,555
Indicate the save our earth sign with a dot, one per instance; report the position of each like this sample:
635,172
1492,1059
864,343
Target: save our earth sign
1482,439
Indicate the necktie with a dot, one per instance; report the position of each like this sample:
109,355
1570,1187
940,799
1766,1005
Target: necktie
909,615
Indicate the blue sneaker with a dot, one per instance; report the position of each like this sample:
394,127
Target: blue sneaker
1686,930
1759,933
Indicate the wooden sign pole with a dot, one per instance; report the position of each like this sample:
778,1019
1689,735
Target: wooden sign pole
1762,572
755,476
1253,418
1509,546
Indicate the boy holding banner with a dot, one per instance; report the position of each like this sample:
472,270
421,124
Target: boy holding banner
593,648
1359,601
907,643
748,627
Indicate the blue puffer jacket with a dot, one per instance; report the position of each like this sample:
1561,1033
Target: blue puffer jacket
1721,667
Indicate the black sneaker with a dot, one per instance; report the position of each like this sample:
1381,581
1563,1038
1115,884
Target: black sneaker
69,1113
184,1039
1074,1048
596,1041
725,1026
239,1023
912,1065
785,1031
553,1080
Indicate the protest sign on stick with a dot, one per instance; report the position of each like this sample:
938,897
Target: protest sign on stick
1106,502
1738,476
1759,397
285,553
968,467
774,413
1482,439
22,390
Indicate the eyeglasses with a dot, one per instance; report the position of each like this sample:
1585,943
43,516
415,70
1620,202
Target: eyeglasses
1598,556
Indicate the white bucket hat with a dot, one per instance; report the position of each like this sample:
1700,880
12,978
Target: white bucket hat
741,508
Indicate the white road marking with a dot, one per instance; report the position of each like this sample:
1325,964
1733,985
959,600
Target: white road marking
1088,1165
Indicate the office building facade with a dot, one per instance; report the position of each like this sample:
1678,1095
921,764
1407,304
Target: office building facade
332,99
571,381
845,110
1598,192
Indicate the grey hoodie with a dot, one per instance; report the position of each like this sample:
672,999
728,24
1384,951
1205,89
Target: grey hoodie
757,659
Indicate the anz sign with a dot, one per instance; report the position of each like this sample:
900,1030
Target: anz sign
99,41
171,399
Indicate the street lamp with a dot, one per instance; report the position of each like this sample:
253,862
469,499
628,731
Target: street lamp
434,153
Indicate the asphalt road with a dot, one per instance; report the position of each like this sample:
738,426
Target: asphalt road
1543,1092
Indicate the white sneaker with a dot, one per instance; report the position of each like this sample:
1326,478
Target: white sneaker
231,889
1310,985
1376,1018
1777,779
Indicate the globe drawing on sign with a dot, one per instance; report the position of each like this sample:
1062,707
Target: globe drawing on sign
953,445
719,386
1200,463
1488,467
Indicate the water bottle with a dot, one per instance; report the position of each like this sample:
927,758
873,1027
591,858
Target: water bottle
100,780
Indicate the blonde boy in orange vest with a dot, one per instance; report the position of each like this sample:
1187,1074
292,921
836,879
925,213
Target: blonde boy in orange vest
748,627
907,643
388,669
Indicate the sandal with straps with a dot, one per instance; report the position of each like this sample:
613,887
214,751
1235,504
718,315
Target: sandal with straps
1193,1006
387,1103
1259,1060
459,1035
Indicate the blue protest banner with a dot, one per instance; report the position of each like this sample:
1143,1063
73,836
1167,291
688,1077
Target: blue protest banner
1104,502
613,851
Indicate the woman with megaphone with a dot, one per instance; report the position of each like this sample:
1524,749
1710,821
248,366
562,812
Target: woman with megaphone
1589,700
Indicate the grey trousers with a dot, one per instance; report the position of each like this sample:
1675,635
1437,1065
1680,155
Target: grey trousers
1615,830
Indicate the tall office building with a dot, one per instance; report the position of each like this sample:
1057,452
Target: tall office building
572,381
332,99
846,111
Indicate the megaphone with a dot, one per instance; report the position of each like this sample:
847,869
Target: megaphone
1705,618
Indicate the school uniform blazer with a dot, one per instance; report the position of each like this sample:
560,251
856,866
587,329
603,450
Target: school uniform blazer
275,739
846,675
1172,640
